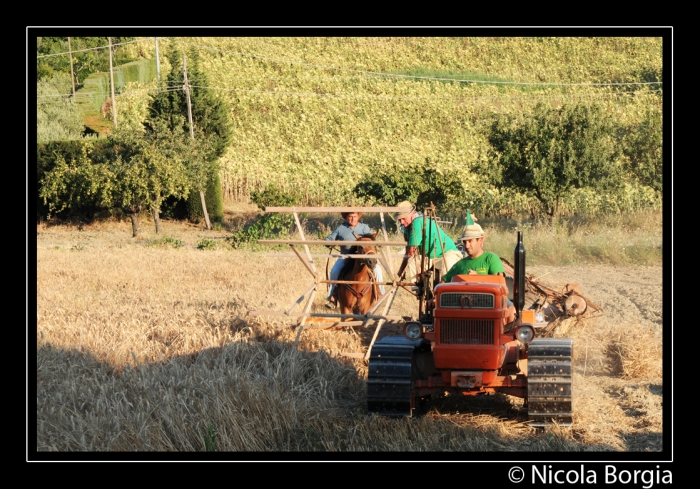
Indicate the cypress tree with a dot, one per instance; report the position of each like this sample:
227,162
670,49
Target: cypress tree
210,121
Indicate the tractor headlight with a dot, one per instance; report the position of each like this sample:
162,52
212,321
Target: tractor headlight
525,333
413,330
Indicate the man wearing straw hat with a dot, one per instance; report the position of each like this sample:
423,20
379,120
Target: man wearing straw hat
347,231
478,261
412,223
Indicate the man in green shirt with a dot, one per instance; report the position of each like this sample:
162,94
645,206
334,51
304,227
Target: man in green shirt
478,261
412,223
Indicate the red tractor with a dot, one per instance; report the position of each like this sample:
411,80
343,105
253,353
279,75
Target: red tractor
473,340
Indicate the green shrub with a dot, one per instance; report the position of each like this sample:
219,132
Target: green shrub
206,244
214,200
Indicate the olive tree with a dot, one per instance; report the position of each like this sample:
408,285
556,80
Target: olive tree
553,152
135,171
643,148
73,182
147,168
423,187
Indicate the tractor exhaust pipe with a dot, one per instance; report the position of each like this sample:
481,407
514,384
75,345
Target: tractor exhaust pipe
519,279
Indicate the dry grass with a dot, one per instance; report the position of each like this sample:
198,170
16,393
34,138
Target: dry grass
639,353
146,345
634,238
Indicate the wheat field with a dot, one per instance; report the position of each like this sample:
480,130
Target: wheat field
146,345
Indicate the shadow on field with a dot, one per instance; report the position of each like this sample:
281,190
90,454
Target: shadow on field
259,394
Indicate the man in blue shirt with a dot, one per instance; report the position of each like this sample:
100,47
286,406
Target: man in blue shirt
346,232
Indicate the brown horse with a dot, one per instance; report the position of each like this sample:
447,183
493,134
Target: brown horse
359,298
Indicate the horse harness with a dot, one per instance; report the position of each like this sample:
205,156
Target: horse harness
373,279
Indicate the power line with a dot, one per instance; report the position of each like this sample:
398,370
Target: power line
373,73
84,50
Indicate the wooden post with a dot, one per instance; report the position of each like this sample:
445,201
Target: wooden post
186,87
306,264
157,64
111,77
442,247
296,341
307,308
300,299
306,247
381,321
72,75
379,302
189,116
387,256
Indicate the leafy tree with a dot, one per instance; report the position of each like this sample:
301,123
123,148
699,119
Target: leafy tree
145,169
643,147
210,121
73,183
47,158
422,187
552,152
270,224
137,171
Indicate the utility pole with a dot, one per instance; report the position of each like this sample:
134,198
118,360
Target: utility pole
72,76
157,63
189,116
111,77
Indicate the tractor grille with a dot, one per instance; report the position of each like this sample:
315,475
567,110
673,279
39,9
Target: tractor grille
466,331
461,299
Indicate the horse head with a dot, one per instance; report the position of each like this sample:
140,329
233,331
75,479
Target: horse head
358,297
366,249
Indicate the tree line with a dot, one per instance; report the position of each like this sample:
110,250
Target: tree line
543,156
174,155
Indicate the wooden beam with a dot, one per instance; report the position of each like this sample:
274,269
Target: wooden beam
334,209
392,292
334,255
325,315
313,272
296,341
307,308
308,253
300,299
376,305
324,242
387,263
311,324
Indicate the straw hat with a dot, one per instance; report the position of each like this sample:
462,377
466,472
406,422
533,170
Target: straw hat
472,231
404,213
345,214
